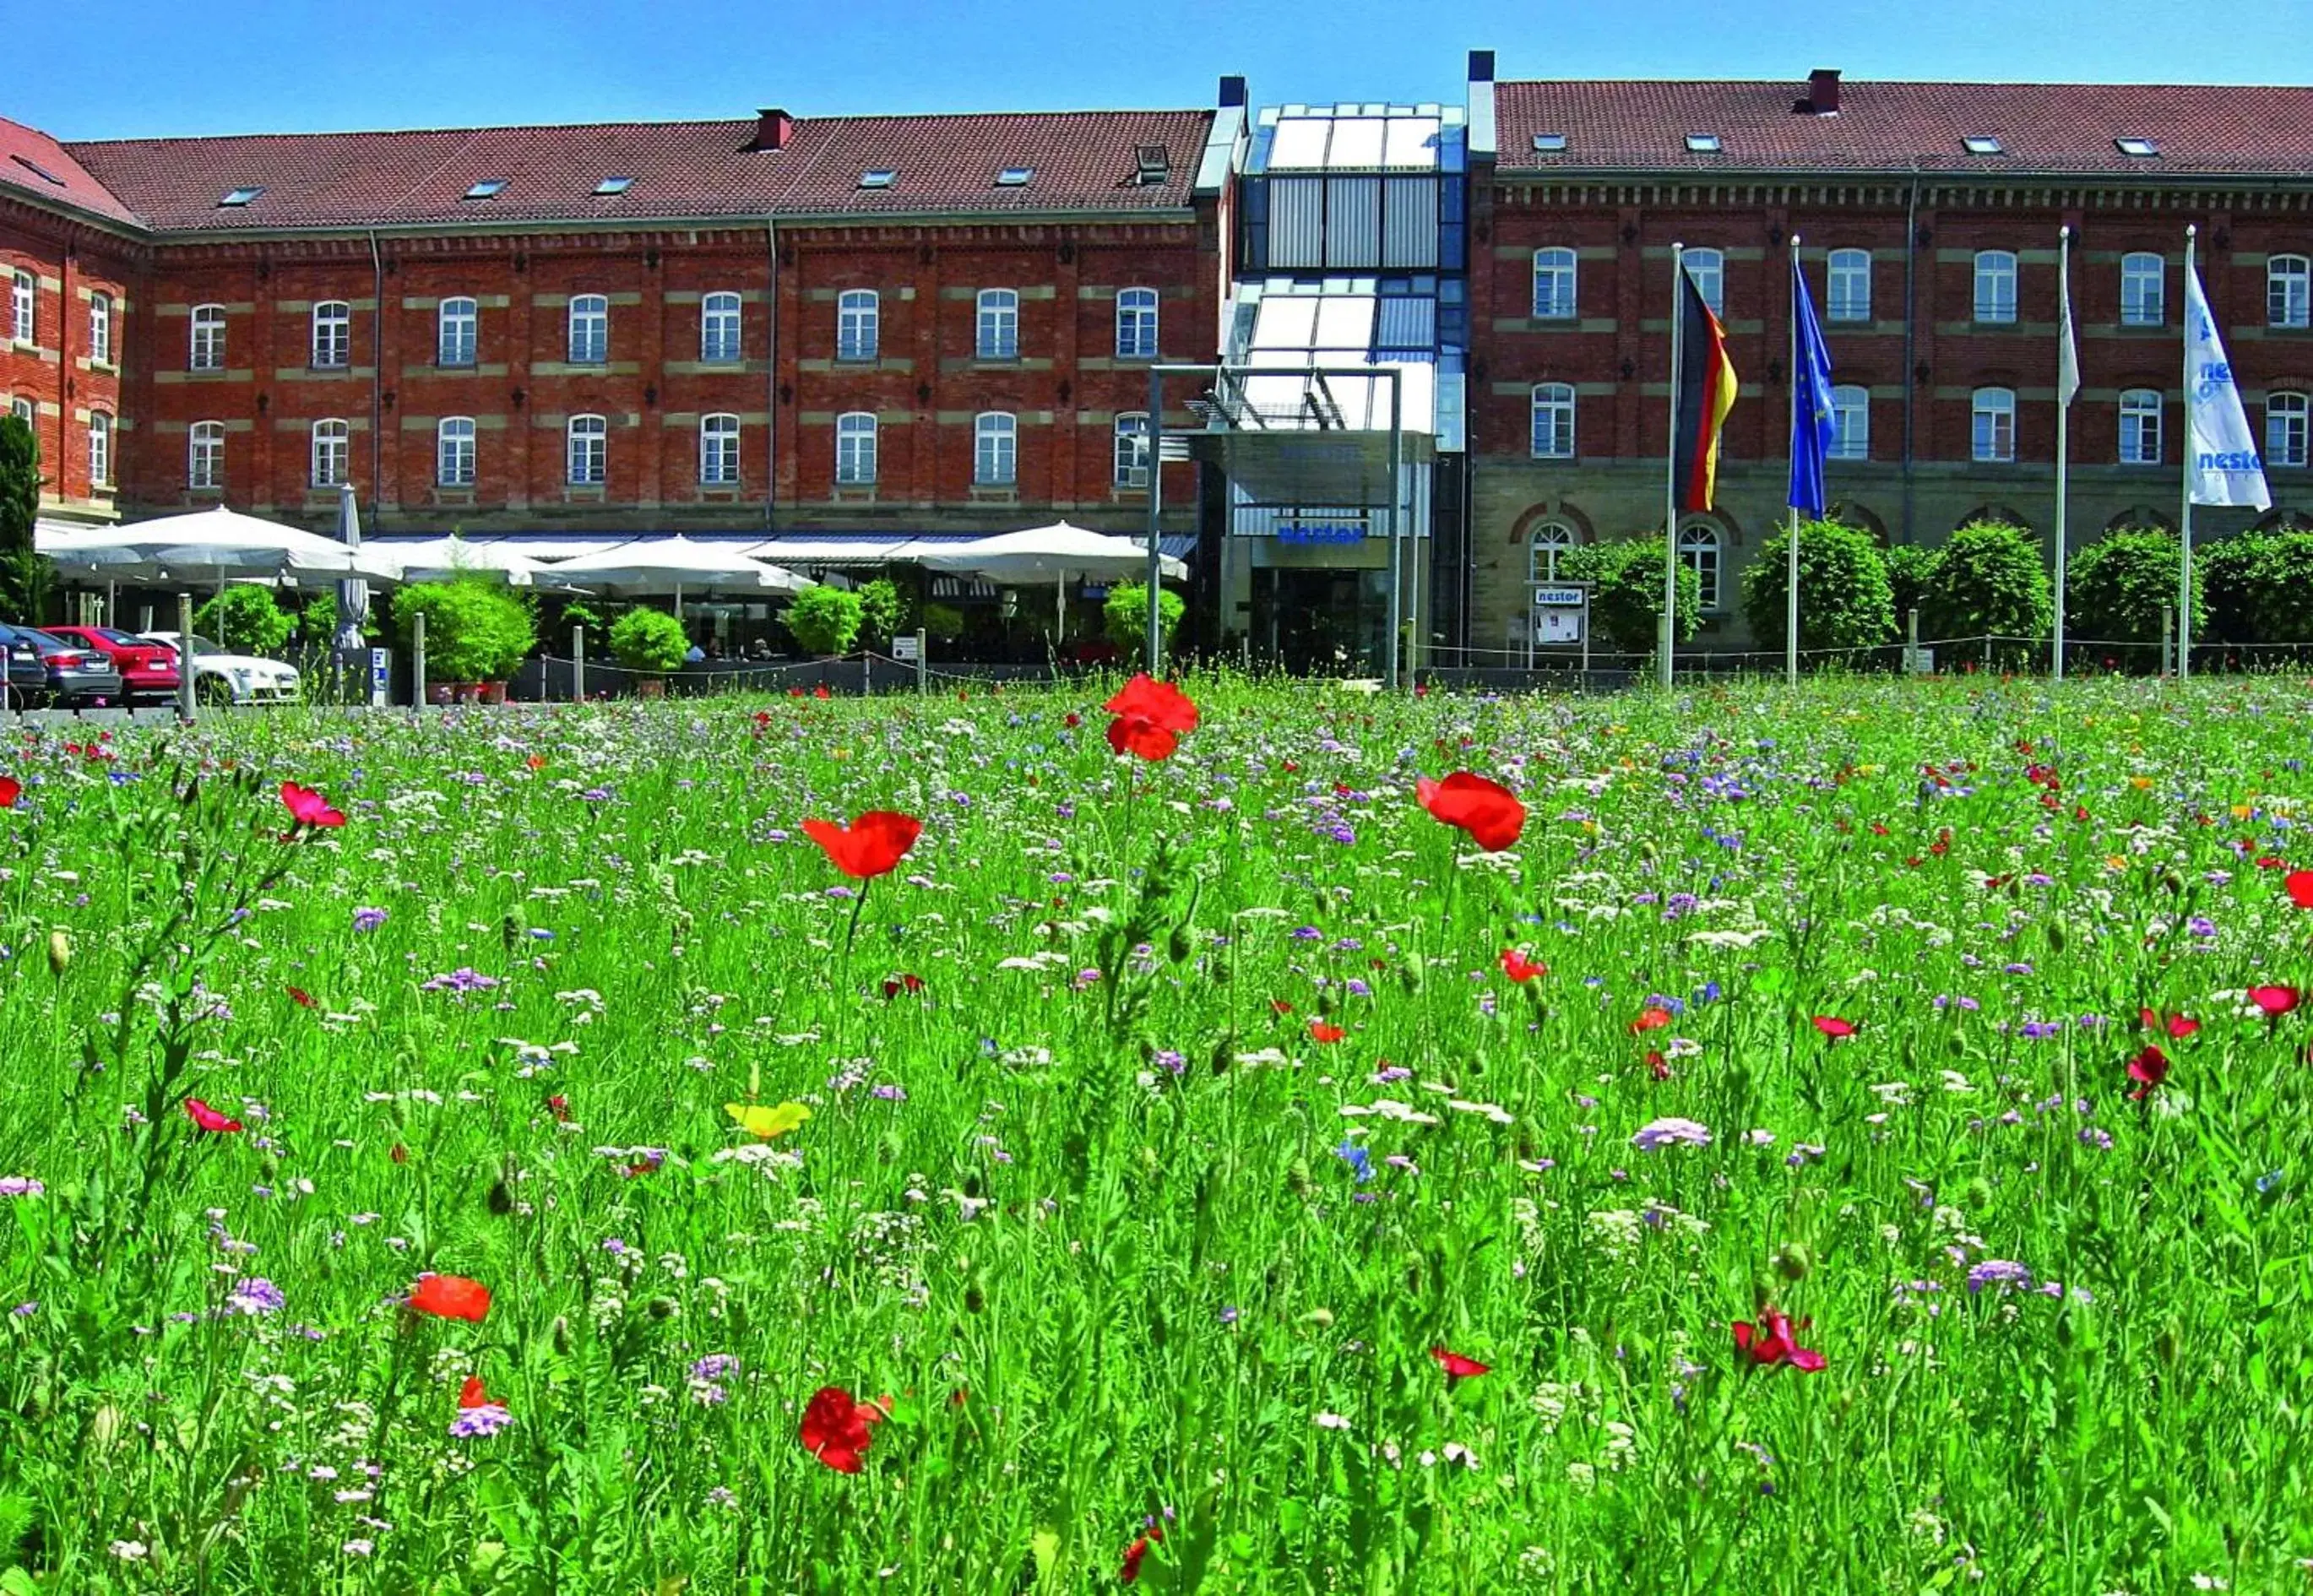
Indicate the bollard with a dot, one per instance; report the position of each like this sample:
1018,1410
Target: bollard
1912,643
187,691
417,662
867,673
577,662
923,673
2167,633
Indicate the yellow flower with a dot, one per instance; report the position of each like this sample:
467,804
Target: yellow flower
2115,862
2241,811
767,1124
2142,784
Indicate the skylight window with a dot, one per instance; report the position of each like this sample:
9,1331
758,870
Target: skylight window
486,190
1703,143
1984,143
2139,149
614,185
240,196
878,177
1015,177
1550,144
40,172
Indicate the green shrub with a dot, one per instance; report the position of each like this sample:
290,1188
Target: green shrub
1627,592
1911,568
648,642
944,621
824,620
1989,580
882,610
2115,589
243,620
1844,598
27,576
2253,586
1125,615
475,630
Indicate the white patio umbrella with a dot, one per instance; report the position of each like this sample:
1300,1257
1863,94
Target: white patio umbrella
1051,554
441,560
649,565
353,593
212,545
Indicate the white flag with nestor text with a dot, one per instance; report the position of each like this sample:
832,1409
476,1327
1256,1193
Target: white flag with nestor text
2221,458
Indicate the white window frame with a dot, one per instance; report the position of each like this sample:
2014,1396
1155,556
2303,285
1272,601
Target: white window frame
1551,421
454,451
859,324
1550,540
333,336
1847,286
1992,426
100,329
2288,429
2140,441
995,449
1136,315
1995,287
2289,290
1701,549
24,300
100,449
586,451
458,332
856,442
722,329
1557,284
718,449
332,452
25,409
1130,453
1708,268
2143,289
589,320
1851,417
205,339
996,325
204,456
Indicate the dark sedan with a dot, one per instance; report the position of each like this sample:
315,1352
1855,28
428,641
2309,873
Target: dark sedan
27,678
74,672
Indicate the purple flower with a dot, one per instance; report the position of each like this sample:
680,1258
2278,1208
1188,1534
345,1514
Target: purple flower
486,1420
2000,1272
1172,1061
368,919
256,1296
890,1093
716,1365
1673,1132
20,1185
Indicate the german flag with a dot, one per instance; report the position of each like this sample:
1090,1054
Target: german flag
1706,392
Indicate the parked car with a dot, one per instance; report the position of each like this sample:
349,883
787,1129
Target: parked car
221,677
146,669
27,679
74,673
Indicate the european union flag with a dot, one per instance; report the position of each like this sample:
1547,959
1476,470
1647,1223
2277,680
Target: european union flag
1813,428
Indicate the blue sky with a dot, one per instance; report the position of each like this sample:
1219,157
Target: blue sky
154,67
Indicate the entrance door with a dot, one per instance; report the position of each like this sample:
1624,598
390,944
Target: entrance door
1327,622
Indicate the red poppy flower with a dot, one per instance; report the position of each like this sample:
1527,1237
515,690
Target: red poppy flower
308,807
2299,886
302,998
1319,1031
1487,811
1521,969
208,1118
472,1395
1135,1552
1649,1019
1833,1027
451,1296
836,1429
559,1107
1072,720
1773,1341
2275,1000
2148,1069
1278,1006
821,692
11,789
1458,1367
902,983
871,846
1151,717
2177,1026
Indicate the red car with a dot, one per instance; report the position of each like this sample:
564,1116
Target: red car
145,668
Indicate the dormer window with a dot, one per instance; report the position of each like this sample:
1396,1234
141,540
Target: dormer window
878,177
486,188
609,186
1015,177
240,196
1984,143
1703,143
1550,144
38,171
2137,149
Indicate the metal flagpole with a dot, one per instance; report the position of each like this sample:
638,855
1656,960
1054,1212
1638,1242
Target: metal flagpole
1670,474
2063,426
2185,515
1155,578
1791,573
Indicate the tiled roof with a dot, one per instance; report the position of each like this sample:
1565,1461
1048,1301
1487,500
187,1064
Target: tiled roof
1082,160
1895,126
30,160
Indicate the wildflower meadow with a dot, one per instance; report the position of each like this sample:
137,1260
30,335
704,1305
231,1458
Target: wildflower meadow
1230,1137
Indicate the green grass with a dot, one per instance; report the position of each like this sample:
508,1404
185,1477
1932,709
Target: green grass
1084,1206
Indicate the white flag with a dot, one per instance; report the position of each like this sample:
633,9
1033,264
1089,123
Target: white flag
2221,462
2068,354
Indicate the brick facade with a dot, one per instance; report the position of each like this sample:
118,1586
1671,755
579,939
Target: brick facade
58,371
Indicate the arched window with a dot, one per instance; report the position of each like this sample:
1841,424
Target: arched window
718,329
1136,324
456,324
1550,540
854,449
23,298
1994,429
1995,286
331,441
1553,421
2140,426
999,329
858,317
589,449
207,351
2288,291
1851,420
99,449
1708,268
2286,428
1847,286
590,329
718,449
454,452
205,455
2142,280
1698,545
99,328
1554,285
1132,449
333,335
995,449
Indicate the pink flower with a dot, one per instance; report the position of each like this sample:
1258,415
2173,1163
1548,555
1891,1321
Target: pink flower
308,807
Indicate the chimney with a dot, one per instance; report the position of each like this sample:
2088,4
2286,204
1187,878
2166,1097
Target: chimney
1232,92
1822,90
773,128
1482,66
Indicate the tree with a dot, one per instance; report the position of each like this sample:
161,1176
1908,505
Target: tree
1910,570
824,620
880,609
2255,585
1989,581
475,630
1125,614
26,575
2115,589
243,620
1627,592
648,642
1846,600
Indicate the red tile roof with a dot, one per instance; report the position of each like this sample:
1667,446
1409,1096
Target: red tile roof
32,162
1083,160
1894,126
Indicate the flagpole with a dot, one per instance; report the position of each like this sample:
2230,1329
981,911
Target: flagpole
1791,573
2184,517
2063,429
1670,474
